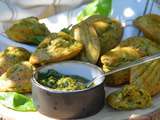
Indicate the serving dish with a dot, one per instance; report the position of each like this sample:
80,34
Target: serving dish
70,104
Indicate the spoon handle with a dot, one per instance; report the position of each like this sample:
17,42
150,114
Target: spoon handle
128,65
134,63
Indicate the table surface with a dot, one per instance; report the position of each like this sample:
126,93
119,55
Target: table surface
7,114
106,113
126,12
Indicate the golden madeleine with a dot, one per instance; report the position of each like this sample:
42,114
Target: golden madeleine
17,78
99,34
129,50
114,58
55,48
88,36
12,55
109,31
100,23
150,25
27,30
147,77
128,98
144,45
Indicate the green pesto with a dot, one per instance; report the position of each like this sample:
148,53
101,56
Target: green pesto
61,82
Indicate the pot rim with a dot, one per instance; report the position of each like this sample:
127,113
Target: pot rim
35,82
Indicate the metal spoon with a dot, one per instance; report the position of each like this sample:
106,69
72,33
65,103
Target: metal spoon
126,66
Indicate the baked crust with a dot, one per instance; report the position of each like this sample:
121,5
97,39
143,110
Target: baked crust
55,48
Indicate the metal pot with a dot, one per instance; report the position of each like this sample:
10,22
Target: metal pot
72,104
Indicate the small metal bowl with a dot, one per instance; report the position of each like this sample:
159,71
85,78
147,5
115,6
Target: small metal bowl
72,104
